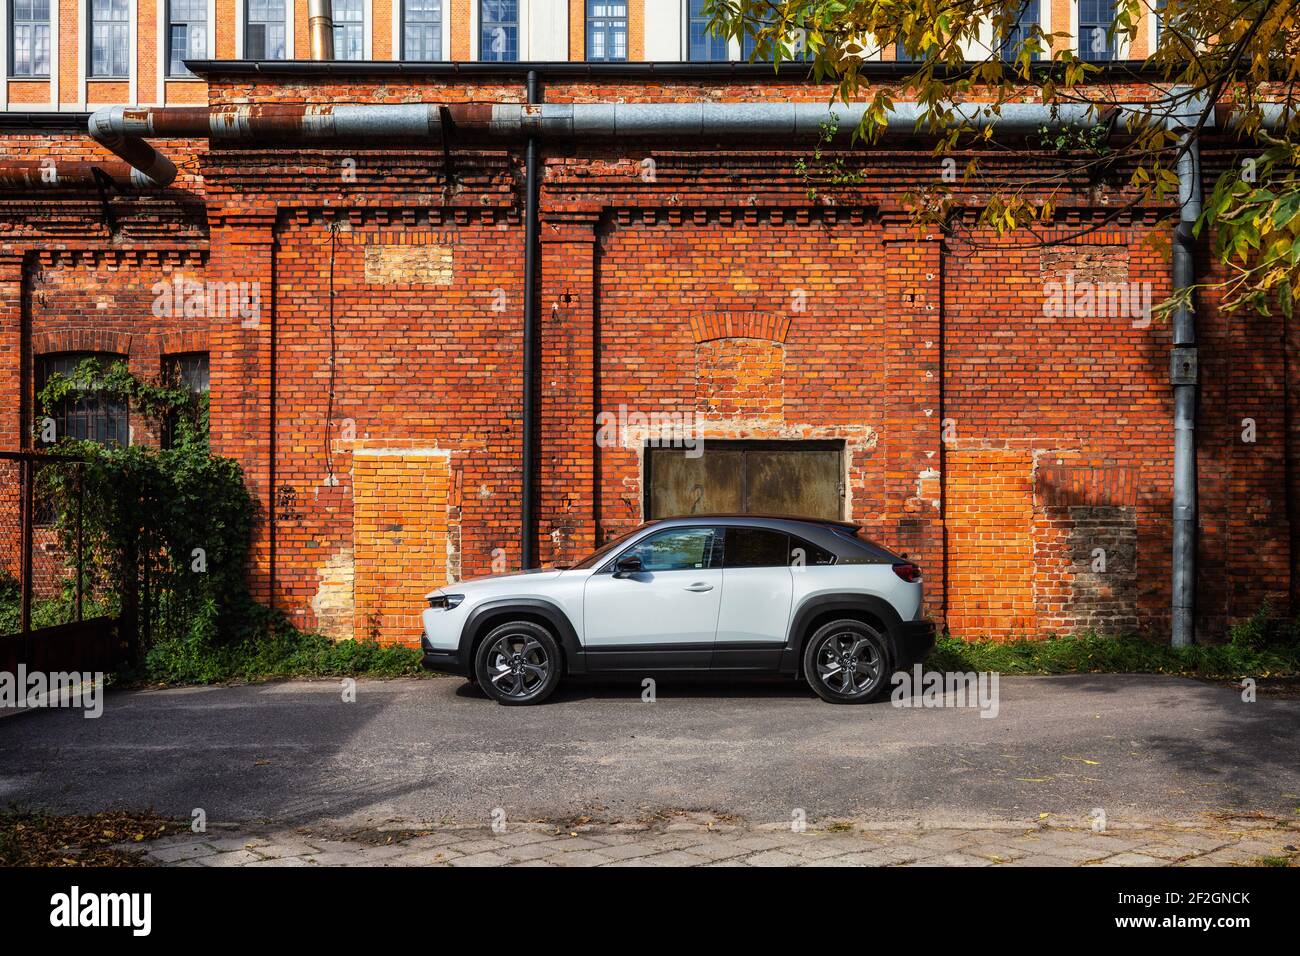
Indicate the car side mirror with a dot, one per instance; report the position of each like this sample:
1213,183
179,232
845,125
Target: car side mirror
628,564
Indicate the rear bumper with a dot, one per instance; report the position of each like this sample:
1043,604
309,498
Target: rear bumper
915,639
444,662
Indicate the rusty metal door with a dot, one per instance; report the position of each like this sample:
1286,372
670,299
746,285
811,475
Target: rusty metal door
800,478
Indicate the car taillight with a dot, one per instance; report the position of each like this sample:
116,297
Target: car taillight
908,571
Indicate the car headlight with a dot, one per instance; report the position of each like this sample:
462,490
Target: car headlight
446,602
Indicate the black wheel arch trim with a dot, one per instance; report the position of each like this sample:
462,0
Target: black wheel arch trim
479,621
816,606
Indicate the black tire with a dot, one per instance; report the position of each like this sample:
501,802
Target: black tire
518,663
825,656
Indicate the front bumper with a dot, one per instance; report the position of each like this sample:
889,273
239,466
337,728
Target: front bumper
442,661
915,639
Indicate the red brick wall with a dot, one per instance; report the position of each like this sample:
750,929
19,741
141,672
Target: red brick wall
996,440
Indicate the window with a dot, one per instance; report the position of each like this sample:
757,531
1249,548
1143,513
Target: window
498,36
606,29
1095,41
679,549
89,415
703,46
808,555
190,371
264,30
110,34
349,30
29,38
1020,31
422,29
756,548
187,34
795,48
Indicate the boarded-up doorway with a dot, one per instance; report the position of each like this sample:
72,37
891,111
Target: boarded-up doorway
801,478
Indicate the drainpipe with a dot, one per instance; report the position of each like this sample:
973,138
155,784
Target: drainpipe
320,27
31,174
1183,378
528,491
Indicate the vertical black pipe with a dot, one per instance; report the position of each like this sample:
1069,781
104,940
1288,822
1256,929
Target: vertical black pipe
81,553
528,515
27,474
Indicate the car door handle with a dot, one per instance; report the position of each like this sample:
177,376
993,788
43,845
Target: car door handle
698,586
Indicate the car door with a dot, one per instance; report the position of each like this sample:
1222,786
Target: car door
757,591
664,617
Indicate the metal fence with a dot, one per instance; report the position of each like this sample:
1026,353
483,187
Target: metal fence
48,617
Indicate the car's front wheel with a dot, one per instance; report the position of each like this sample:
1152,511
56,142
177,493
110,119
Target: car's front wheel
518,663
846,662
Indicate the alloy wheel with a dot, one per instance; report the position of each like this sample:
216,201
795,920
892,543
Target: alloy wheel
848,663
518,665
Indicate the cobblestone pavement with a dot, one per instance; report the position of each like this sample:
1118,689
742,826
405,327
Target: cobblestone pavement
693,840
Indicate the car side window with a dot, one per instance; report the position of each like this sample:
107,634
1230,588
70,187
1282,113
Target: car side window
805,554
756,548
678,549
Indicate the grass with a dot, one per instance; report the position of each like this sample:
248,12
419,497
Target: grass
285,654
1094,654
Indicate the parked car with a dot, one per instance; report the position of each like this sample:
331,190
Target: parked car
726,595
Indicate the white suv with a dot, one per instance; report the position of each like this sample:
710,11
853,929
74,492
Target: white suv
724,595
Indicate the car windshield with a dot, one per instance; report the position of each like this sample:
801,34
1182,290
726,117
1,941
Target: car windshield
593,559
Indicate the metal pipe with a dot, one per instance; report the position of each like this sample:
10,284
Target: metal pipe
528,490
320,27
1183,375
48,174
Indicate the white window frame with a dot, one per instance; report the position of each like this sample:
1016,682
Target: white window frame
525,29
399,32
241,22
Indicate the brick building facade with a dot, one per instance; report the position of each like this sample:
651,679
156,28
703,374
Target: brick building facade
1022,452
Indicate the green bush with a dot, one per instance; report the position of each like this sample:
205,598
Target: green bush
166,530
269,647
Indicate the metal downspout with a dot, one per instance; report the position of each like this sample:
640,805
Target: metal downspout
1183,377
528,490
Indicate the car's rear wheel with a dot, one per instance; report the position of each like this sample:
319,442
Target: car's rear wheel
846,662
518,663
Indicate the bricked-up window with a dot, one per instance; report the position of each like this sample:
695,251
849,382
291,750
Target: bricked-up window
703,46
110,35
187,34
422,29
498,30
264,30
90,415
1095,41
349,30
1017,34
29,38
606,30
